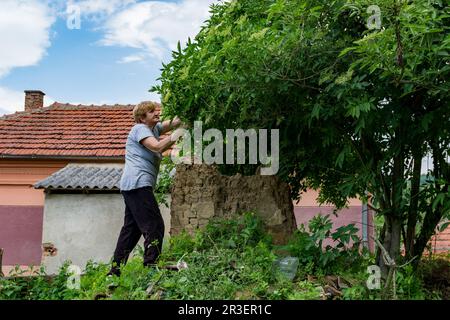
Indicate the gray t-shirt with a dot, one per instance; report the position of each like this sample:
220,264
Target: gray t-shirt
141,164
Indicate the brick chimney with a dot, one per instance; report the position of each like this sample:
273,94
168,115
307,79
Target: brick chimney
34,99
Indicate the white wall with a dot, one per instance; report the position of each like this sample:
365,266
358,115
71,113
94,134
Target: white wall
85,227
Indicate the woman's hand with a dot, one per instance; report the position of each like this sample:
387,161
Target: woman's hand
175,122
169,125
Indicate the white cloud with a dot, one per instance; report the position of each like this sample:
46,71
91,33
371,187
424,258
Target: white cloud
25,36
12,101
24,33
155,27
93,10
132,58
96,7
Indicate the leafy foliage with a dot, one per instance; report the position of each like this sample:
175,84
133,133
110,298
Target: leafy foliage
357,109
37,287
316,258
164,183
234,233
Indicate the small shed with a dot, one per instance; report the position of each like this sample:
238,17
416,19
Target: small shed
83,214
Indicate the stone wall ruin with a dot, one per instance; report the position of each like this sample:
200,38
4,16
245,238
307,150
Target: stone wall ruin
200,193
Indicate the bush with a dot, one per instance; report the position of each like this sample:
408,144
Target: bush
317,259
39,286
234,233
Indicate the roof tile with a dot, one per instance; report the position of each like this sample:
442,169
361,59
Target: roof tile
67,130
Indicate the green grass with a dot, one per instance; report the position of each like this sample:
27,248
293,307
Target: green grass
229,259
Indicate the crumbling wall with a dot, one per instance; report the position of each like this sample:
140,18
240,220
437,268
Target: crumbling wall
200,192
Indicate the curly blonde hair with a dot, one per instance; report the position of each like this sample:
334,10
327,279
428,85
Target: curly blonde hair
142,108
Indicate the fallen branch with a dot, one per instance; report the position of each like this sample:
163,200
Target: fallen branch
388,261
152,285
331,292
178,267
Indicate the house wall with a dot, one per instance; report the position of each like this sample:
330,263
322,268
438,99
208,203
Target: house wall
308,207
309,199
21,210
350,215
22,207
83,227
441,242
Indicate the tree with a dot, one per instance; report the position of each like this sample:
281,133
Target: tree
357,108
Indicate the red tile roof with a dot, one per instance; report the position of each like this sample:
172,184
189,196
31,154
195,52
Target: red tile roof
65,131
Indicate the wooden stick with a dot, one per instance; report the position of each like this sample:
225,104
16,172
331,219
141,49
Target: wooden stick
391,273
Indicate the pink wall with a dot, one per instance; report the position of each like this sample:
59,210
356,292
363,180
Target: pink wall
352,214
21,209
309,199
21,234
441,242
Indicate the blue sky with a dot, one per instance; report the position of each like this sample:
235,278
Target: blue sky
114,57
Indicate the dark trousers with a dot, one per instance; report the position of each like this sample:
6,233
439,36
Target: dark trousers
142,217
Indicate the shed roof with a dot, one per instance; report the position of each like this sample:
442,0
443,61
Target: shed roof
84,177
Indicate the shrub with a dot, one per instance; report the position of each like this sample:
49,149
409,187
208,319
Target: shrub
37,287
317,259
236,232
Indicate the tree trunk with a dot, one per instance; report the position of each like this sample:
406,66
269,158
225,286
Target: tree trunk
391,242
393,222
430,222
378,257
413,207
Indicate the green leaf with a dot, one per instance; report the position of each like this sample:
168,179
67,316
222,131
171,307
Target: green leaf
316,111
347,50
444,226
439,200
340,159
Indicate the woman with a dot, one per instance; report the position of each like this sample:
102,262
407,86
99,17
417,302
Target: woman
143,155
